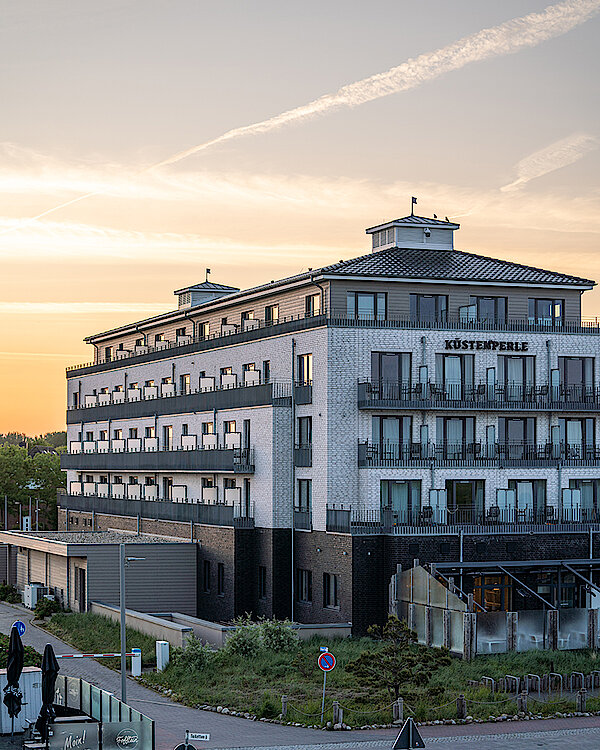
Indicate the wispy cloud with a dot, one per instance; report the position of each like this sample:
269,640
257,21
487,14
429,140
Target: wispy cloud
505,39
38,355
83,308
555,156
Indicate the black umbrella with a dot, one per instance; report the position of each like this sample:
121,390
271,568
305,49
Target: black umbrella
14,666
50,670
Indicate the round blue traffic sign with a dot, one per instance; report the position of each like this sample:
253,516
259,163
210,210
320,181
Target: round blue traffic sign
326,662
20,626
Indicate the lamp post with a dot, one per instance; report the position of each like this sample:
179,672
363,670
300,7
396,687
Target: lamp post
123,561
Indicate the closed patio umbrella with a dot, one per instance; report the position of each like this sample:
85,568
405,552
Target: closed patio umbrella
50,670
14,666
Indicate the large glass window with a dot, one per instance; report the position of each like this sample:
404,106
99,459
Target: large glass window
303,585
576,377
530,498
312,305
516,377
391,437
305,431
516,436
426,308
391,367
402,498
590,495
304,496
465,500
366,305
271,314
455,436
494,593
546,311
305,369
577,437
455,374
491,309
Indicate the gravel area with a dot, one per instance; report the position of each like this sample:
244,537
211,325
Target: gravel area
100,537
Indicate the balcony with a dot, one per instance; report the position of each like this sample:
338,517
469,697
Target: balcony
484,455
303,519
427,519
215,459
216,514
387,395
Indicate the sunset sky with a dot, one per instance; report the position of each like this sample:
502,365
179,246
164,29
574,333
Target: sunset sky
491,123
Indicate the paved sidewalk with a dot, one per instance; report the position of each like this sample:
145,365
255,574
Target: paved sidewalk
172,719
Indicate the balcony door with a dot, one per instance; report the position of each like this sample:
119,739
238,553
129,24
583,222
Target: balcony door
576,377
577,437
454,436
516,376
455,375
465,500
516,436
391,435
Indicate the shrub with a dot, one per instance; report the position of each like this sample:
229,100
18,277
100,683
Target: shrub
195,655
268,707
245,639
9,593
46,607
277,635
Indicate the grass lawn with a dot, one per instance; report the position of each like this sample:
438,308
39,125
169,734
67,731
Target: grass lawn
96,634
256,684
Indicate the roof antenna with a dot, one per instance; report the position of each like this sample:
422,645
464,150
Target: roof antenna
206,277
413,203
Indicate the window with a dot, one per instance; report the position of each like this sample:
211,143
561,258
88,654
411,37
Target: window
149,481
133,432
139,342
402,498
366,305
312,305
149,383
304,496
184,383
103,435
248,315
576,377
184,429
133,480
516,376
516,436
229,483
89,436
117,479
159,337
330,590
247,506
590,496
89,478
133,386
530,497
455,436
229,426
221,579
108,353
167,488
149,432
208,428
166,381
392,437
118,434
304,431
465,500
103,479
303,585
391,367
577,437
180,331
454,374
167,437
226,371
305,369
262,582
385,237
494,593
485,309
76,400
271,314
428,308
204,330
206,576
266,370
546,311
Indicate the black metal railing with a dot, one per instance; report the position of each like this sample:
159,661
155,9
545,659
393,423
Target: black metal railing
388,520
261,329
303,519
303,454
238,460
216,514
383,394
476,454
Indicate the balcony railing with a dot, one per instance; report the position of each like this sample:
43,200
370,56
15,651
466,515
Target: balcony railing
426,518
219,459
260,329
217,514
303,519
500,455
303,455
380,394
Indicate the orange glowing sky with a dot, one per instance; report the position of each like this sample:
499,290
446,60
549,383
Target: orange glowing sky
499,132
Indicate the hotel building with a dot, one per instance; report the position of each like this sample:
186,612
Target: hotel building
313,433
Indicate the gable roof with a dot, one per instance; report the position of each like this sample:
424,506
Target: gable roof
448,265
207,286
416,221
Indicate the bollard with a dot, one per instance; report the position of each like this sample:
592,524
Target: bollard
461,707
162,655
336,712
284,700
522,702
398,710
580,701
136,662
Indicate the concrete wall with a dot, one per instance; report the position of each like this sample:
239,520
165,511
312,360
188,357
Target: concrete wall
159,628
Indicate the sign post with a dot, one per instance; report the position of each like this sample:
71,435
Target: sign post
192,737
326,663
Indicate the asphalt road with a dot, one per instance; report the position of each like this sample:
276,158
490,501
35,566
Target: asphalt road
228,732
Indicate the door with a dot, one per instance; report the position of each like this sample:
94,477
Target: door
81,590
465,500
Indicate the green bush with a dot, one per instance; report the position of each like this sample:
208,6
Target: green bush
46,607
268,707
9,593
196,655
246,638
277,635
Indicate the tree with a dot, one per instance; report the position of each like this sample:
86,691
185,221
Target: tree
399,662
48,477
14,473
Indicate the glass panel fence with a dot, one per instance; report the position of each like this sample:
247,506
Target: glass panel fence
491,633
457,631
572,628
437,626
531,630
420,622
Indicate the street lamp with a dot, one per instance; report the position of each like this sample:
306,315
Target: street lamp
123,561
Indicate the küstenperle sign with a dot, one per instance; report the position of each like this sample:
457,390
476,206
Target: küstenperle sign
487,344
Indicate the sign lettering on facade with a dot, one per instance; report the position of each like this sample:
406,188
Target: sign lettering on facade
75,736
126,735
490,344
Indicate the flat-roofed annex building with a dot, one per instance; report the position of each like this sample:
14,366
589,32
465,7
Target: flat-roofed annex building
415,402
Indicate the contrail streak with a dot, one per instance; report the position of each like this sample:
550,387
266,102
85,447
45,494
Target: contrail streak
507,38
555,156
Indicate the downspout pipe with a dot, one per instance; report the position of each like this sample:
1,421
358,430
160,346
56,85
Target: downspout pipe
322,290
293,472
